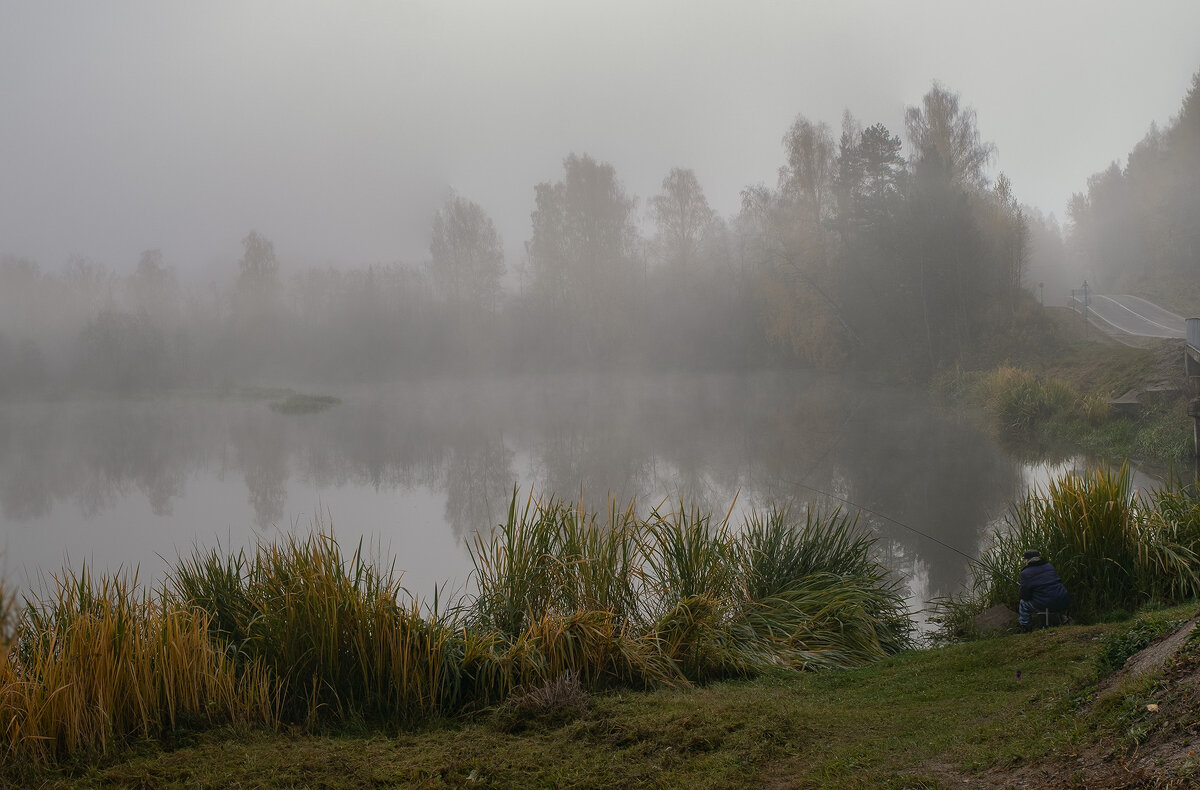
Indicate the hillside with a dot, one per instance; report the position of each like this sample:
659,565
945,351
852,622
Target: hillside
1091,360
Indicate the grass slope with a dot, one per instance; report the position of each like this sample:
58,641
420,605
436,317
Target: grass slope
978,713
1049,398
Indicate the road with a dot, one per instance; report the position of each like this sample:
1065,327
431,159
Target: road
1133,316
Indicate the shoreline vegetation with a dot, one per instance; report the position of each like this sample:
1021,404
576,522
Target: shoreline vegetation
299,635
304,404
670,640
582,626
1052,399
1040,416
1116,549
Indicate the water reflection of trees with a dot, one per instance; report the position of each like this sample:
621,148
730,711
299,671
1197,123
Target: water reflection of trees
478,480
93,454
27,490
782,439
263,458
939,478
120,448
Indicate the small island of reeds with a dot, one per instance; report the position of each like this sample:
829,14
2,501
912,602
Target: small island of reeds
297,403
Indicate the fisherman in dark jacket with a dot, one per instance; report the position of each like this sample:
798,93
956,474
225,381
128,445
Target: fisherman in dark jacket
1041,589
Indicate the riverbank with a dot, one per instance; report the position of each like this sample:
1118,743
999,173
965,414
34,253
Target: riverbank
1011,710
1048,709
1080,391
299,634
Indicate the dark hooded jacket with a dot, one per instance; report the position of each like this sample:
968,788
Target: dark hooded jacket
1040,584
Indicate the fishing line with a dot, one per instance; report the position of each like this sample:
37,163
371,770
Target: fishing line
841,433
885,517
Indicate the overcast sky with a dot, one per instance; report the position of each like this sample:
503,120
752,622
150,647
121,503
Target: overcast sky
336,129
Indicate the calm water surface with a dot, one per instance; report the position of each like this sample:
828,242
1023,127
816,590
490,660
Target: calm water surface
415,469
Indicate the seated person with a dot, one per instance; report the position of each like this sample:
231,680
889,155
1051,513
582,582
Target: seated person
1041,589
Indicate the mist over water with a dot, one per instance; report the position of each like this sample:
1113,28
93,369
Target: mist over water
415,469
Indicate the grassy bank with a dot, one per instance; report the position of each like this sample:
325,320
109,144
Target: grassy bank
610,650
1014,711
1051,398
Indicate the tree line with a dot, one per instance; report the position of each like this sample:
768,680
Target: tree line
1137,227
864,252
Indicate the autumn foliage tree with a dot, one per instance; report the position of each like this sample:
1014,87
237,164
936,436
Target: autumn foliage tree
465,267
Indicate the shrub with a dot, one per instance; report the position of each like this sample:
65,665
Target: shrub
1021,400
554,703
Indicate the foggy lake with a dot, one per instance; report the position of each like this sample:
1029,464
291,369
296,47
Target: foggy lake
414,469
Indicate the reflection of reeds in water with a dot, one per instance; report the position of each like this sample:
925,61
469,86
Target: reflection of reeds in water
299,633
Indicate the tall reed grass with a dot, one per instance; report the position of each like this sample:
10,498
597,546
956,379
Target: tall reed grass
1021,400
102,661
331,629
682,598
560,589
817,591
297,632
1115,549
